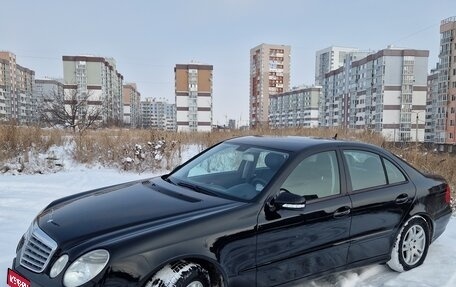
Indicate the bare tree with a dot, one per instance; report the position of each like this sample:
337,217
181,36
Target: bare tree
73,108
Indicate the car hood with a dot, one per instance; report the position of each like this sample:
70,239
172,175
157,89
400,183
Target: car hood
127,206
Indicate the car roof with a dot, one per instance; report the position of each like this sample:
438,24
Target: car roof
294,143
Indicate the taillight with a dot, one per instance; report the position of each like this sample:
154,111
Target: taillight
448,195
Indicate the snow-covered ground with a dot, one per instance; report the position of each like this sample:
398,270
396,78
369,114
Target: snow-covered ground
23,196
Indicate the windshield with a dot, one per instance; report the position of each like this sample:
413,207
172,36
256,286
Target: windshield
231,170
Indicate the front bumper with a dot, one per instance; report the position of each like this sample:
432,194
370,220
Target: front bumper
33,277
43,280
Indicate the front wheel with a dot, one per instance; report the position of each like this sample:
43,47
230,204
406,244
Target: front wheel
180,274
411,245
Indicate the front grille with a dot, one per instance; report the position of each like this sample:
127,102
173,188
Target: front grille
38,250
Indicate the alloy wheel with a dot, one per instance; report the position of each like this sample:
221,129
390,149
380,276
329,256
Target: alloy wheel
413,245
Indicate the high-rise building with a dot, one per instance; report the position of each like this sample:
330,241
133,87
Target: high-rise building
296,108
334,111
96,80
44,92
329,59
445,125
431,105
383,92
131,106
158,114
193,90
232,124
269,75
16,91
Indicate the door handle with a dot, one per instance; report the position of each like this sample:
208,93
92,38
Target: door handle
341,212
402,198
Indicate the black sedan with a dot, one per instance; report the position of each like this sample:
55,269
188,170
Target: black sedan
251,211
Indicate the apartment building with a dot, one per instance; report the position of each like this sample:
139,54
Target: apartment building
330,111
46,91
158,114
297,108
48,88
269,75
232,124
16,91
193,92
329,59
431,105
131,100
445,102
96,80
383,92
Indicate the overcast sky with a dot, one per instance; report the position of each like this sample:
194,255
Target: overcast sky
147,38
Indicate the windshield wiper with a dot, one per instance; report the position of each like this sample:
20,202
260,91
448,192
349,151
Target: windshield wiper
197,188
167,179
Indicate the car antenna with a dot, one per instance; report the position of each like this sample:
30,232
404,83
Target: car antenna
334,137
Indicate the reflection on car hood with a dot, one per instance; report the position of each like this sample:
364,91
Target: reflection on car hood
110,209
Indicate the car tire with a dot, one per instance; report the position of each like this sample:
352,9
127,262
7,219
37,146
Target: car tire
180,274
411,245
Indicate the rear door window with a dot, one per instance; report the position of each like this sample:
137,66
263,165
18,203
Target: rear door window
365,168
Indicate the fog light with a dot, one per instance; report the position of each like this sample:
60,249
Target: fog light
58,266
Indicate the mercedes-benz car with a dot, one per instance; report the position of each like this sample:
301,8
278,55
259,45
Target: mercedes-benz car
249,211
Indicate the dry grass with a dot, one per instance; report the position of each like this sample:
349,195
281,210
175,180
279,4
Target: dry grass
110,147
17,140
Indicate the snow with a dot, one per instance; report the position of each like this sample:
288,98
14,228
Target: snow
23,196
168,276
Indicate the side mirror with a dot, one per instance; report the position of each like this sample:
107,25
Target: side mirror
288,200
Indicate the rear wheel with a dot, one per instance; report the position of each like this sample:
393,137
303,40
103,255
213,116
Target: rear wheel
411,246
180,274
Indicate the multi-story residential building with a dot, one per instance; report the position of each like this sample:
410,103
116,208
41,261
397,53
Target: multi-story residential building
16,91
333,110
431,105
299,107
232,124
269,75
158,114
193,90
131,106
48,88
383,92
445,116
96,80
329,59
45,92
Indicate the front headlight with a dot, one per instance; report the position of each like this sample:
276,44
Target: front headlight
85,268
